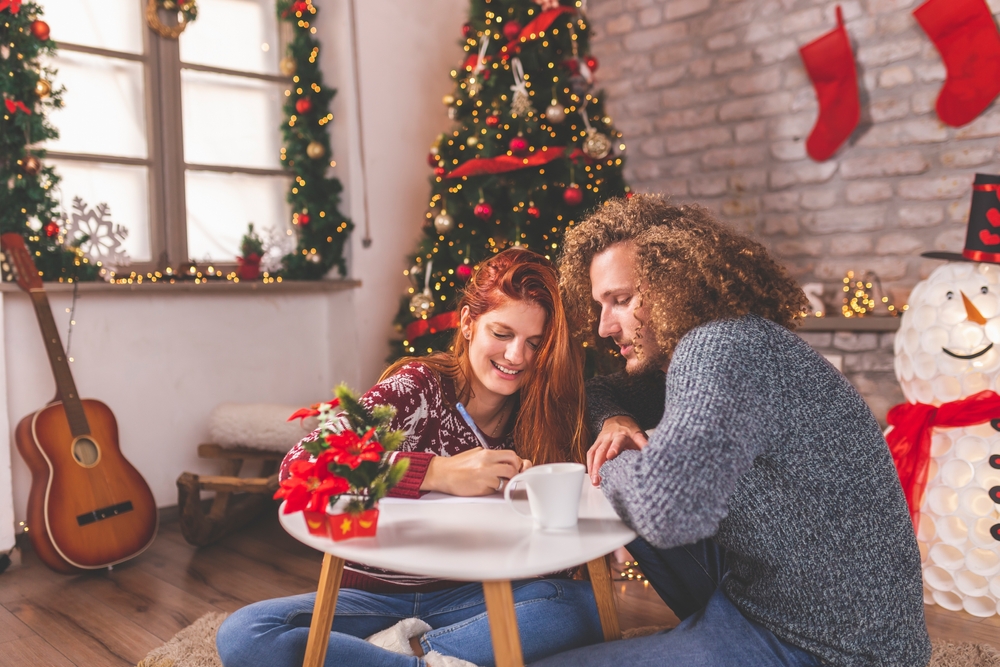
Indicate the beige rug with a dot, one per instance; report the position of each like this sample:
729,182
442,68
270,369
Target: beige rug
194,646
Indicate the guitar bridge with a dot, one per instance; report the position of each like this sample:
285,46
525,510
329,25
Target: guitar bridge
104,513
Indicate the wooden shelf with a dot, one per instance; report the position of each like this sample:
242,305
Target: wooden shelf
189,287
883,324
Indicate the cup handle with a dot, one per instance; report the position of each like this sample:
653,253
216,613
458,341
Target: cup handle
510,487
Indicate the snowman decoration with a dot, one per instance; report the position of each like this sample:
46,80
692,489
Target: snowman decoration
946,439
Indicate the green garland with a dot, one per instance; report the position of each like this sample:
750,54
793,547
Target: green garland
26,199
315,197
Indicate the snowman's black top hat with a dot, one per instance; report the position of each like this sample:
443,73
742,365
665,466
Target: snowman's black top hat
982,241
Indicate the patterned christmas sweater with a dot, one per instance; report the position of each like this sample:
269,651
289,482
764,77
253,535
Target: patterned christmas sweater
425,410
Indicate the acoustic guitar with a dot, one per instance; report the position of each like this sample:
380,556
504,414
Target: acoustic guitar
88,508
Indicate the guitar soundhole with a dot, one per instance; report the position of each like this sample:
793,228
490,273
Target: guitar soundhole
85,452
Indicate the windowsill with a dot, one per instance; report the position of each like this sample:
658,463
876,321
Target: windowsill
211,287
872,323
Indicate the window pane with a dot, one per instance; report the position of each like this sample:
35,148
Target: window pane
219,207
231,120
125,189
106,24
234,34
103,106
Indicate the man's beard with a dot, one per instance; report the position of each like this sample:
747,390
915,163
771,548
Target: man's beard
648,356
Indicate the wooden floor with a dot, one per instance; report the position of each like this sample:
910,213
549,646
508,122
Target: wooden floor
114,618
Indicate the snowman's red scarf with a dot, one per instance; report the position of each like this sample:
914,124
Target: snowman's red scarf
910,437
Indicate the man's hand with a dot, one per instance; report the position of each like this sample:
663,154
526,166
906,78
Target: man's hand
475,472
617,435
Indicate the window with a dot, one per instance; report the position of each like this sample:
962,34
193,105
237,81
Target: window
180,137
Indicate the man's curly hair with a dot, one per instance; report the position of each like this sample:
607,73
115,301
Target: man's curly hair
690,269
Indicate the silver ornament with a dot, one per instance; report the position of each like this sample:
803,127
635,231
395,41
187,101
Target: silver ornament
596,145
444,223
314,258
422,304
452,113
555,113
416,275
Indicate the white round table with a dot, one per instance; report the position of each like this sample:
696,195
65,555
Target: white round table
471,540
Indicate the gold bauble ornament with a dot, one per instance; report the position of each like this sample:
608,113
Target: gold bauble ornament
32,165
43,88
422,304
596,145
315,150
444,223
448,100
287,66
555,113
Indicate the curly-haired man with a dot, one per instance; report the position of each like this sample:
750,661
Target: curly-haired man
770,515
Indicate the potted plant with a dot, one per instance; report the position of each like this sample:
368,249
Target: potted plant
252,249
351,469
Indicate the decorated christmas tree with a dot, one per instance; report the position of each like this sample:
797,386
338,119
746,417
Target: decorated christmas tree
27,205
529,152
314,196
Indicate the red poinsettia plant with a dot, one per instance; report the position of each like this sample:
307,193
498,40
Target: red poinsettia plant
352,457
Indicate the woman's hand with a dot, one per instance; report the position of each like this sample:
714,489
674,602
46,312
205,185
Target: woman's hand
474,472
617,435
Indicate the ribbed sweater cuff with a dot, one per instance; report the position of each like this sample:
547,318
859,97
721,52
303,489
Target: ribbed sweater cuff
409,486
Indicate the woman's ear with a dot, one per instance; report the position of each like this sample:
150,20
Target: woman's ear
466,320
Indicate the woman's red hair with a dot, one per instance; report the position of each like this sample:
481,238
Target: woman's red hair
550,421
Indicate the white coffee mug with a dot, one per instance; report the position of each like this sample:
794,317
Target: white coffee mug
553,493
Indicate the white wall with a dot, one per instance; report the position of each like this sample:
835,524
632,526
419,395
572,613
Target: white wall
162,362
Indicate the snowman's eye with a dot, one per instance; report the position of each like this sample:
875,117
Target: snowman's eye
950,295
984,289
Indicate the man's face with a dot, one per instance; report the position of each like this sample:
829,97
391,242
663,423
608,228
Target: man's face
613,286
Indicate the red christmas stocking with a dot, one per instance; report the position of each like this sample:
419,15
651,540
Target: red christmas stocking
830,64
966,36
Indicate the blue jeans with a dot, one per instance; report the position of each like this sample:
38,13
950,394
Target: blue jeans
712,632
553,615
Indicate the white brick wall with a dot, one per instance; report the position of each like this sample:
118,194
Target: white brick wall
716,106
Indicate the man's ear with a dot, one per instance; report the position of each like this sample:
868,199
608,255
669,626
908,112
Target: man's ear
466,320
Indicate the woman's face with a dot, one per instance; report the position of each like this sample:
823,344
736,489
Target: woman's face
502,344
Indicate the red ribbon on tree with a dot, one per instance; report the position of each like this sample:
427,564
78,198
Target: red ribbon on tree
910,437
533,29
14,5
13,105
504,163
441,322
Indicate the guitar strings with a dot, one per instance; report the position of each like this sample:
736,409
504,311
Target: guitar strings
72,321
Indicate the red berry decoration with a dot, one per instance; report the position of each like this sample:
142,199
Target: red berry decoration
518,146
464,272
467,30
512,30
304,105
483,210
303,219
592,63
573,195
40,29
51,229
439,171
533,211
492,121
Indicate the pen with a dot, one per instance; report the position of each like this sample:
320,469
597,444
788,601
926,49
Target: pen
468,420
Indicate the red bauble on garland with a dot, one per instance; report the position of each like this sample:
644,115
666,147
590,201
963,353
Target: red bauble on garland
483,210
492,121
511,30
518,146
464,272
40,29
304,105
573,194
51,229
439,171
592,63
303,219
533,211
467,30
432,159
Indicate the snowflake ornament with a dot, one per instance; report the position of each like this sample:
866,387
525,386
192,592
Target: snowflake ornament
103,239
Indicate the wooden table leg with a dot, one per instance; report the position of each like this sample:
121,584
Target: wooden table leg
503,623
600,580
326,603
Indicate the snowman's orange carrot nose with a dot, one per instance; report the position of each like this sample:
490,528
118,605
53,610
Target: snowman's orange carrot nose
971,310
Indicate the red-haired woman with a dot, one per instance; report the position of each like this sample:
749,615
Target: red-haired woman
517,375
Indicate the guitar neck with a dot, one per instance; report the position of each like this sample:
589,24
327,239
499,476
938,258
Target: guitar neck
60,365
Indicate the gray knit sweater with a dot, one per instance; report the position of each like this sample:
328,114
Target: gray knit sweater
764,446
